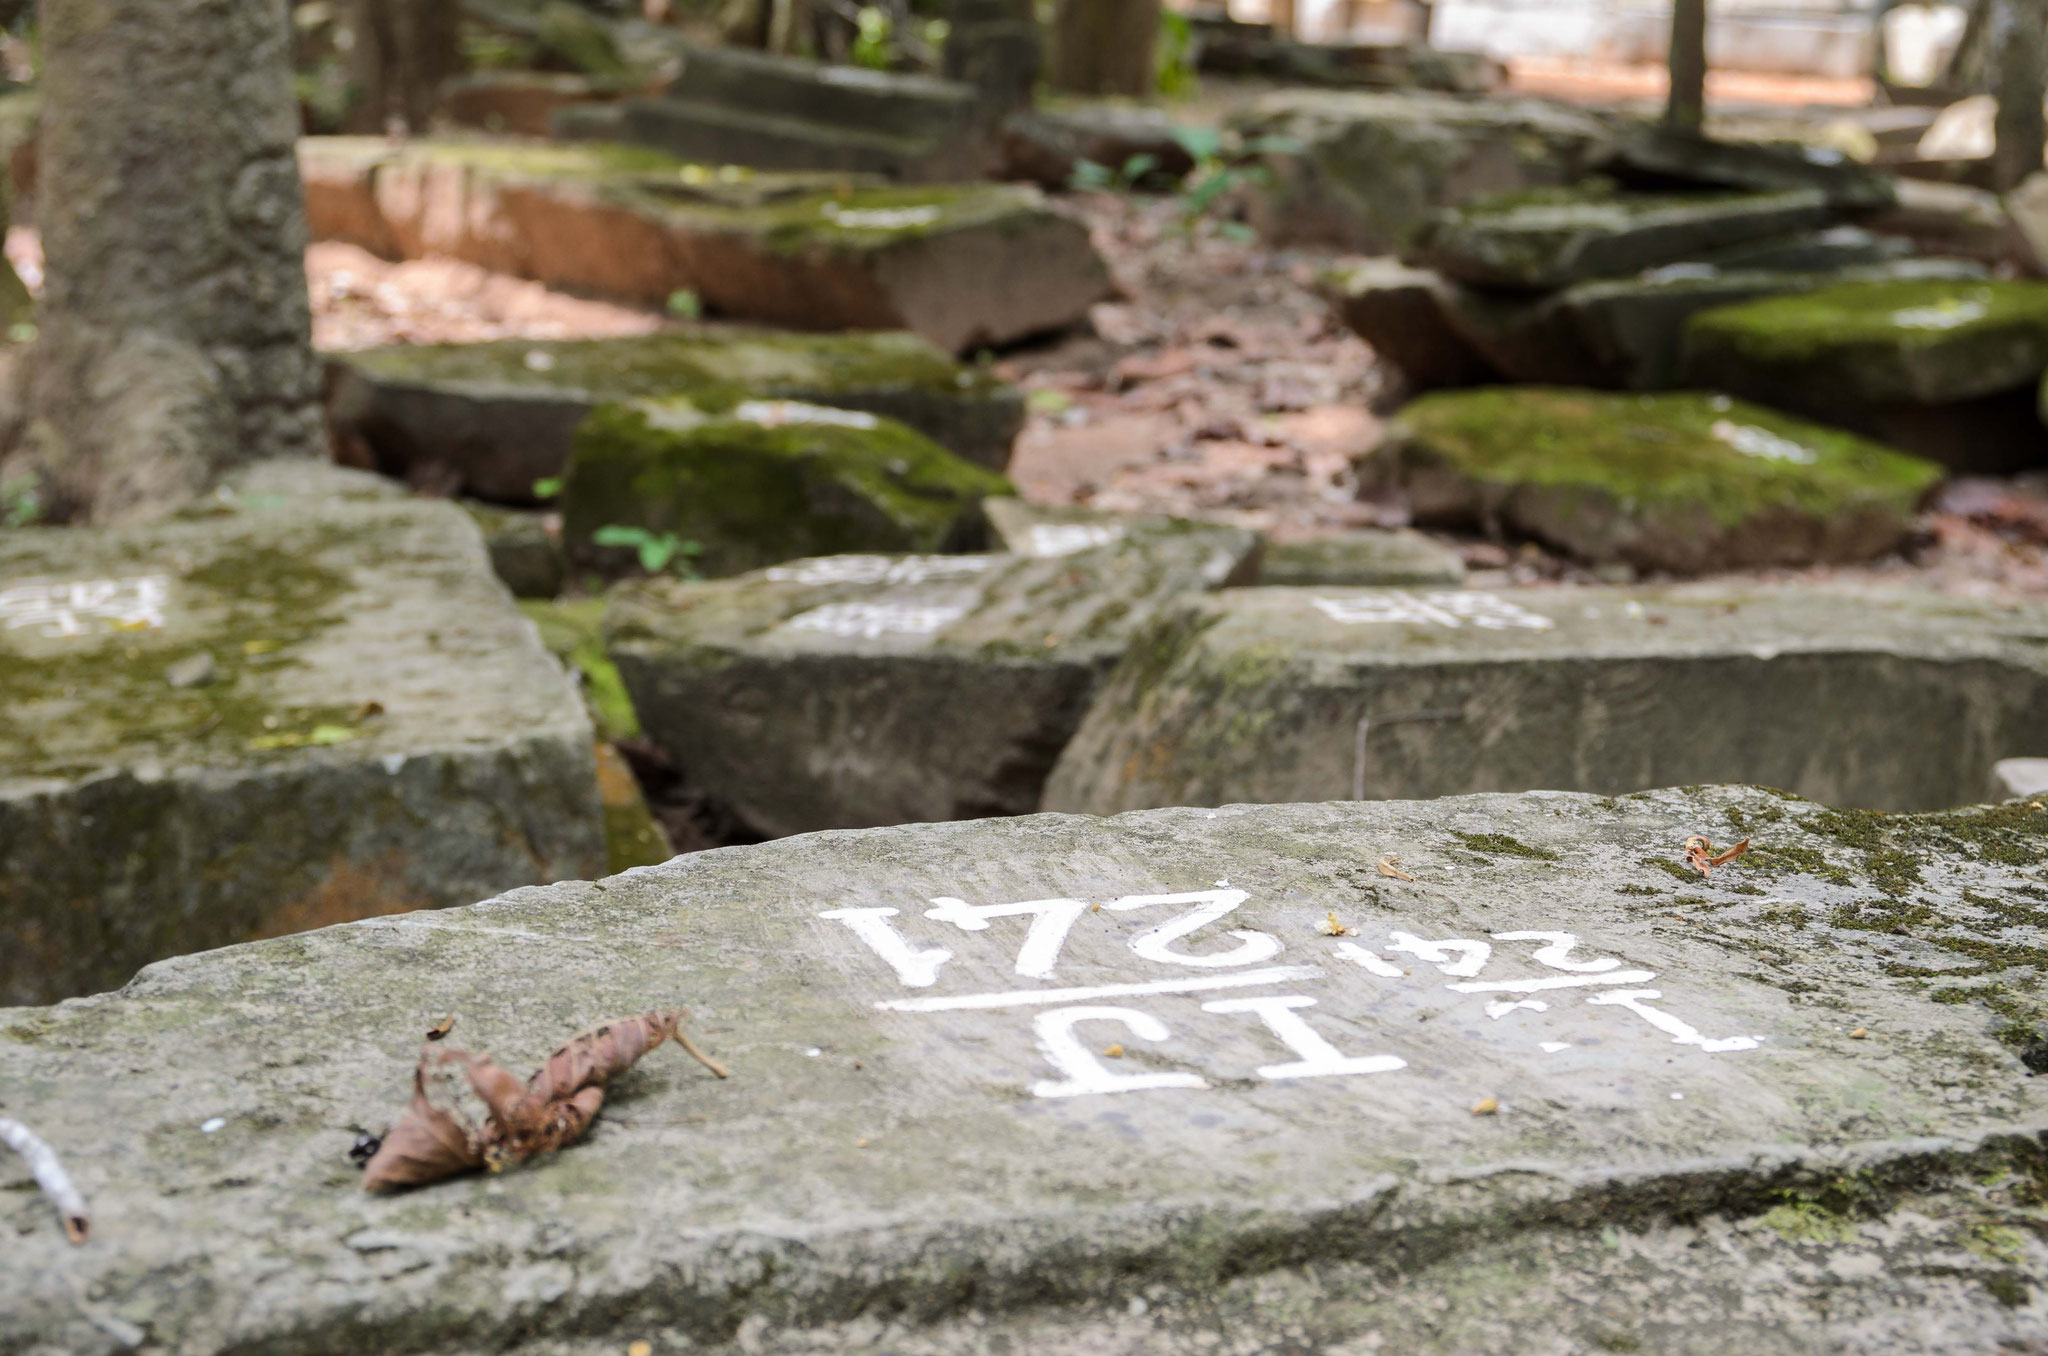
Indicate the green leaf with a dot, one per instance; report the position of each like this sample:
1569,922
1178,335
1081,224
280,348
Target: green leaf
1275,146
616,534
684,304
1089,175
1238,231
1139,165
324,735
547,487
1203,143
657,552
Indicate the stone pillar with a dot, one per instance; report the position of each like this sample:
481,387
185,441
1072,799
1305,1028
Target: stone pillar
1105,46
994,45
175,325
2019,45
1688,102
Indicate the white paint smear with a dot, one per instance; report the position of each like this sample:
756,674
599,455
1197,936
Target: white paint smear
1762,444
1064,539
878,569
74,607
867,621
1487,611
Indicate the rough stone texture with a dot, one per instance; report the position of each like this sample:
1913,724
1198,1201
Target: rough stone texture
1374,166
1804,1129
1539,241
736,107
1363,559
1406,314
1682,482
175,326
1023,528
1888,699
286,711
964,265
494,418
861,690
1954,219
2019,778
1046,145
1943,368
769,481
1224,47
1661,155
524,553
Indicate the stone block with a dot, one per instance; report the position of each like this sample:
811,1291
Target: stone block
1681,482
965,266
1363,559
767,481
286,711
1408,315
1655,154
1882,698
991,1084
858,690
522,103
1046,145
1374,166
495,418
526,554
2019,779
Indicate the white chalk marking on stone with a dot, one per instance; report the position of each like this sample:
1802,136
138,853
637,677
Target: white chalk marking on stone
1051,920
1084,1072
48,1171
1944,315
1552,1047
213,1124
67,607
539,360
1155,944
1557,951
1560,982
880,218
1452,608
1762,444
1371,961
393,763
1319,1058
918,969
1501,1007
1677,1096
779,413
1026,998
1439,953
1064,539
867,621
878,569
1681,1033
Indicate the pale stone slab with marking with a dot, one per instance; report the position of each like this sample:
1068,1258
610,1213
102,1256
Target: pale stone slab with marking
1180,1081
850,691
1886,698
291,710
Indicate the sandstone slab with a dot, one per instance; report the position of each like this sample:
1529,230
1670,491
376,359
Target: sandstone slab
962,265
858,690
1892,699
287,712
495,418
1366,558
767,481
1373,166
1746,1111
1681,482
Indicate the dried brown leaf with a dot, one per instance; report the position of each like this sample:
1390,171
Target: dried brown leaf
1701,857
1388,868
430,1141
440,1029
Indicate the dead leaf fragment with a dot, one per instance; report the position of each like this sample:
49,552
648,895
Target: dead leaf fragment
1486,1106
1330,927
440,1029
1860,1033
1114,1052
1701,857
1388,868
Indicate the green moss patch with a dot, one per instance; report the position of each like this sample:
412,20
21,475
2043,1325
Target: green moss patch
573,629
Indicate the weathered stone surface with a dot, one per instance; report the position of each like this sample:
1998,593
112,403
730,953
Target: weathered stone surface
1363,559
1538,241
1406,314
1252,49
494,418
1954,220
964,265
374,729
1903,361
1892,699
524,554
1046,145
861,690
769,481
1656,153
631,835
1023,528
1786,1109
2019,778
735,107
1374,166
573,631
1682,482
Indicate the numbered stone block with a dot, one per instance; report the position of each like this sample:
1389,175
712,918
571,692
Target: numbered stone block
289,711
850,691
992,1082
495,418
1885,698
965,265
1681,482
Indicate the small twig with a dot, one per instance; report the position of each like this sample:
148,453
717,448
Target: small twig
50,1176
707,1061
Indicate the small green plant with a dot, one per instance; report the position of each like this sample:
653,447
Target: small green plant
684,304
547,487
1224,164
21,502
872,46
1175,74
1092,177
658,551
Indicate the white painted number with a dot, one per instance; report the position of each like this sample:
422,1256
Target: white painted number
1681,1033
1051,920
1319,1058
1557,950
1156,944
918,969
1439,953
1085,1075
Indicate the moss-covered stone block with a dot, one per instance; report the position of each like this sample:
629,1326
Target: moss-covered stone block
495,418
769,481
1684,482
525,551
282,712
1946,368
573,631
1551,238
858,690
964,265
1886,698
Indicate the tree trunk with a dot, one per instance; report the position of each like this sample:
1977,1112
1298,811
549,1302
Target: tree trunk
405,51
174,328
1687,106
2019,39
1105,46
